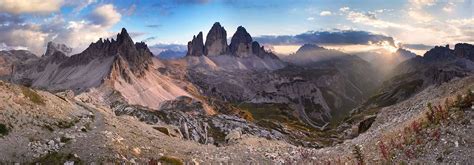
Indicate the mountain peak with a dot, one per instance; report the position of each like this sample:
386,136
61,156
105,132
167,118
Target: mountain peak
52,47
123,36
216,41
241,43
308,47
196,46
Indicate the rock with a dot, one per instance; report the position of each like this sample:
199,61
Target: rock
171,131
216,41
234,135
52,48
241,43
464,50
196,46
365,124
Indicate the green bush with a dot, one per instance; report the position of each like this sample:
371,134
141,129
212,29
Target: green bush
3,130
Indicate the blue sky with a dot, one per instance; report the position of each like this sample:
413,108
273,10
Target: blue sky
77,23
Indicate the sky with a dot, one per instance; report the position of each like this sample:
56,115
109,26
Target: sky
280,25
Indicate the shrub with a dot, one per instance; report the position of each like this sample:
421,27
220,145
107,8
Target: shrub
383,150
358,154
171,160
3,130
32,95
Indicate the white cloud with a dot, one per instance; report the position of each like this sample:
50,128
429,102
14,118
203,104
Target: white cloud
80,4
325,13
420,16
422,3
105,15
30,6
344,9
310,18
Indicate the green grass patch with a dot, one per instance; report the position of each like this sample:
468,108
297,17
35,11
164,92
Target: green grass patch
32,95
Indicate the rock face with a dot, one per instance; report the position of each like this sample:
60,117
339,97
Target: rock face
216,44
55,47
464,50
196,46
241,43
403,54
216,41
56,71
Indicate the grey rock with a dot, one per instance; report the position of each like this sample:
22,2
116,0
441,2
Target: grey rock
196,46
216,41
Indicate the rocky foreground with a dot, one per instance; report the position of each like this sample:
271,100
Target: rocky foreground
38,126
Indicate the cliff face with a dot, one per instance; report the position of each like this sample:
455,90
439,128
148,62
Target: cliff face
242,44
216,41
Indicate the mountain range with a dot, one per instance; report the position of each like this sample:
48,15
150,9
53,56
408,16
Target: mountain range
117,100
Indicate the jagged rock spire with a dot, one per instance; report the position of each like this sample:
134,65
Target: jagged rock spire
196,46
216,41
241,43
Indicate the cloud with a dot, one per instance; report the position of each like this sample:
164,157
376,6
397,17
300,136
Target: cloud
4,46
310,18
344,9
417,46
422,3
325,13
79,5
326,37
7,19
105,15
153,26
149,39
30,6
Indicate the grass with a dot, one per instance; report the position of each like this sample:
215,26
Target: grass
4,130
32,95
170,160
410,142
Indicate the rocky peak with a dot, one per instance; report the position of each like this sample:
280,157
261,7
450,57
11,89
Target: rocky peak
464,50
241,43
308,48
404,54
196,46
124,37
137,55
216,41
52,47
439,53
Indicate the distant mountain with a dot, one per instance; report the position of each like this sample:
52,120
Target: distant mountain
241,54
314,91
171,54
386,61
438,65
311,53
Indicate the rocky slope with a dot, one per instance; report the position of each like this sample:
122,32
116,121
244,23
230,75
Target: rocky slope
118,65
314,91
11,59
